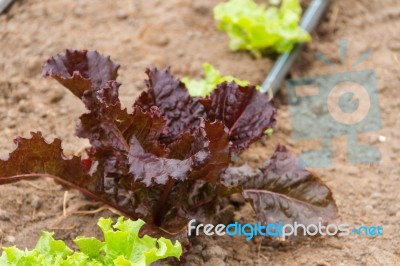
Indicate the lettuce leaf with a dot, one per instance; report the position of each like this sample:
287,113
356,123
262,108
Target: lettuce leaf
242,109
282,190
122,246
212,77
260,30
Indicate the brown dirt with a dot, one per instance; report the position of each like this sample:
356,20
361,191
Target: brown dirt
180,33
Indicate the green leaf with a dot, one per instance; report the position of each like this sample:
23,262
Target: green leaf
212,77
122,246
121,261
260,30
124,242
78,259
165,249
48,245
11,254
268,132
90,246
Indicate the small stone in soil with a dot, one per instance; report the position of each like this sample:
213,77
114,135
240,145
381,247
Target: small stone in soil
4,215
36,202
382,138
237,199
194,260
392,210
10,239
394,45
216,262
201,7
335,243
197,249
322,263
56,96
121,15
214,252
161,41
368,208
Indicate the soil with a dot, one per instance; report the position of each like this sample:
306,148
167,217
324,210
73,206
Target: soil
181,33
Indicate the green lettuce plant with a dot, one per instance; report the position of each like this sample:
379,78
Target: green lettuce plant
259,29
122,246
212,77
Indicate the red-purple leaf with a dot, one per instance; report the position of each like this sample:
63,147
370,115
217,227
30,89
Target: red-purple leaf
283,191
207,155
91,77
148,127
149,168
214,138
172,98
35,157
81,70
245,111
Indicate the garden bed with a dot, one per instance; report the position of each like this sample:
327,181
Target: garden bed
182,34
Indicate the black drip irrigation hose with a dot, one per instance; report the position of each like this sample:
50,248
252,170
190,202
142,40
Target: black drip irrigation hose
4,4
309,21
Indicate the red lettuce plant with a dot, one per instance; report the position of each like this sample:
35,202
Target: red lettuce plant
168,161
